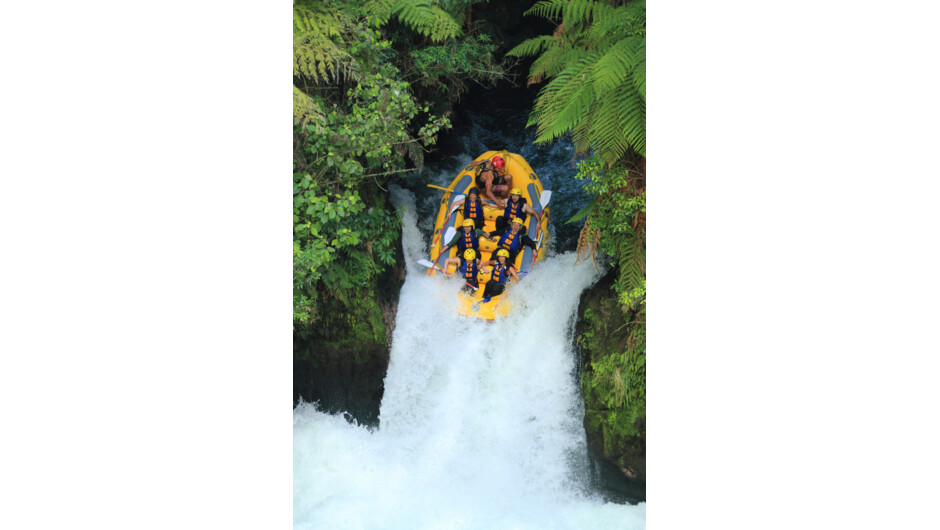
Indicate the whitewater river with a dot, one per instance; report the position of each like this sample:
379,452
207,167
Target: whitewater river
480,424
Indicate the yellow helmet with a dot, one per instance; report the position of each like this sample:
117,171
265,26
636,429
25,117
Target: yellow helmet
518,220
515,191
468,222
502,252
469,254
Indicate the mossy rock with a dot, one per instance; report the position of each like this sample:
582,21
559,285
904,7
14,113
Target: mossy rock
613,380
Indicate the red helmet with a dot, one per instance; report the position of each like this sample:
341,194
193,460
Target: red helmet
498,162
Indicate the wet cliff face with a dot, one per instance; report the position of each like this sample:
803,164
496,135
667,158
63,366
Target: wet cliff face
614,436
343,370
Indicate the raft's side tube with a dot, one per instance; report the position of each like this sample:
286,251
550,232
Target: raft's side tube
527,253
461,184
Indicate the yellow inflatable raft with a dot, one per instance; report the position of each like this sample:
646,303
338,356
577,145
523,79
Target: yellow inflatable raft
532,190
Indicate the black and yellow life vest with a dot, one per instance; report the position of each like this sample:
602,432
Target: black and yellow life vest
473,210
470,271
500,273
511,241
468,240
514,210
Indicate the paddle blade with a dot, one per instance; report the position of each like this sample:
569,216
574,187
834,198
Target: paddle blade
544,198
456,206
449,234
426,263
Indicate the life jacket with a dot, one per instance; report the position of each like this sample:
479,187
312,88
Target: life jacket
515,210
499,179
500,273
473,210
469,270
511,242
468,240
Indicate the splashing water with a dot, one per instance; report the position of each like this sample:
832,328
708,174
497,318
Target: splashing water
480,423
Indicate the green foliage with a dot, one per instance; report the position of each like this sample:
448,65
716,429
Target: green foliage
422,16
446,69
614,381
358,123
597,61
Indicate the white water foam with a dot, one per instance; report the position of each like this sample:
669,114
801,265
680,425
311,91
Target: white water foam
480,424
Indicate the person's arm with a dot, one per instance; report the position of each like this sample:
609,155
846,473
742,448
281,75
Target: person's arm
528,209
527,241
488,191
512,272
448,262
452,241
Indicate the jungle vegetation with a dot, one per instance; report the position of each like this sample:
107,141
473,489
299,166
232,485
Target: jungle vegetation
372,85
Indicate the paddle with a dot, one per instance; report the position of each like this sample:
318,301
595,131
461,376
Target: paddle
544,198
430,265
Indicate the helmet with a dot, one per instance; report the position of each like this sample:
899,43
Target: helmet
474,191
468,222
502,252
518,220
469,254
499,162
515,191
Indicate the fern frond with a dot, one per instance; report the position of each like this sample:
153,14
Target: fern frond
582,12
568,100
613,68
553,62
531,46
306,109
632,114
426,19
550,9
380,9
607,139
638,70
583,212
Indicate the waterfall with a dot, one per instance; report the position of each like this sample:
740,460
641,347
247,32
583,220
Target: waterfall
480,423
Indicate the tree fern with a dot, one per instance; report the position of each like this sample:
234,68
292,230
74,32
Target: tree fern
596,63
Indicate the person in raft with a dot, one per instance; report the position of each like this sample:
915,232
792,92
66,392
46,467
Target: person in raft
515,239
493,178
502,270
468,237
468,267
515,207
472,207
